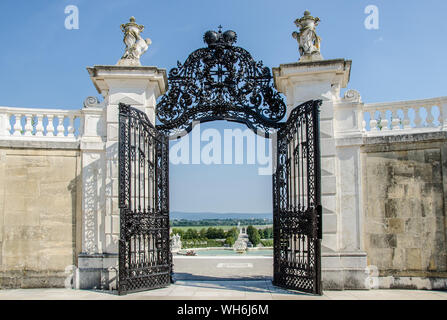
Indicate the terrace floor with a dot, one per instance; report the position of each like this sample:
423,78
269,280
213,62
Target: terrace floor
219,290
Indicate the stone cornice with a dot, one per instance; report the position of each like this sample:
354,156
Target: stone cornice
336,71
99,74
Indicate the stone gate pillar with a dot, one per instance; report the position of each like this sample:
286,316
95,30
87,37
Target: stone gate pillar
343,257
139,87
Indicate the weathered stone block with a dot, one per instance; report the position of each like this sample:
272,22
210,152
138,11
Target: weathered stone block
329,223
14,187
406,240
412,190
375,226
329,204
328,185
38,217
19,218
413,259
112,243
413,226
392,207
405,170
398,259
15,202
326,129
376,209
112,132
409,184
327,147
21,232
382,258
330,241
328,166
383,241
395,226
396,191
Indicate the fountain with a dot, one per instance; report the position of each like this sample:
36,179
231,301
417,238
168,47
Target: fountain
240,246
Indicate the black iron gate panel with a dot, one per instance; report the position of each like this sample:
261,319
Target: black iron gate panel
145,261
297,215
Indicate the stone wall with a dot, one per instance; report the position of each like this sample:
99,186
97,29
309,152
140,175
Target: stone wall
404,183
39,207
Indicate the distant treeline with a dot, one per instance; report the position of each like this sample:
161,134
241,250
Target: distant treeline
219,222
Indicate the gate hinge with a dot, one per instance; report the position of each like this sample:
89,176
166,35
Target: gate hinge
320,221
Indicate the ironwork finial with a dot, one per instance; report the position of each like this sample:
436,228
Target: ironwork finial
213,38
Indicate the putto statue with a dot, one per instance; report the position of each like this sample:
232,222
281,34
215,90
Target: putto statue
308,41
135,44
176,243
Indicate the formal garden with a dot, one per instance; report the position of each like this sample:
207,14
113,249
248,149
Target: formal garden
221,237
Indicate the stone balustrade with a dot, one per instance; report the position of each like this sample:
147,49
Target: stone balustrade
21,123
405,117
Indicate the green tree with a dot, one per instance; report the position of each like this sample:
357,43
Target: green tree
253,235
211,233
266,233
267,243
202,233
180,232
191,234
233,232
230,241
220,234
215,233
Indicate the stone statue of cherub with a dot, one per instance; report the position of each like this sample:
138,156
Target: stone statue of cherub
135,44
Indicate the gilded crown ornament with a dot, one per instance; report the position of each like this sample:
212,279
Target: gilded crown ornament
308,40
135,44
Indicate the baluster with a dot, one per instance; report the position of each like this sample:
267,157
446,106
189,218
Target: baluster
383,121
8,124
436,114
417,118
443,114
18,125
39,125
395,120
364,125
373,123
70,127
406,122
50,126
60,126
28,125
429,118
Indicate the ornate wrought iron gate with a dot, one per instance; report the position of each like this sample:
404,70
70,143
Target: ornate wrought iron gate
220,82
297,211
144,248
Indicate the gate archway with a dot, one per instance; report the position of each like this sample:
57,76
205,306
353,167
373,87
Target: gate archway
219,82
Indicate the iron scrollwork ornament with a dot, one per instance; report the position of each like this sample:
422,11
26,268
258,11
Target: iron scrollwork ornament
220,82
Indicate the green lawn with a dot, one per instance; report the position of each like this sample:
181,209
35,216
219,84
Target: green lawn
220,227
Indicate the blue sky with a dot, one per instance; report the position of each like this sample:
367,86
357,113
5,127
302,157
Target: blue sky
43,64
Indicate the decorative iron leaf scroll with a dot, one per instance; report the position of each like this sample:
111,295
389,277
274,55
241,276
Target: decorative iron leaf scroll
220,82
